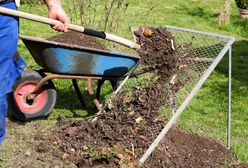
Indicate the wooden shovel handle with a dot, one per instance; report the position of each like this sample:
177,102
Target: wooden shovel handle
81,29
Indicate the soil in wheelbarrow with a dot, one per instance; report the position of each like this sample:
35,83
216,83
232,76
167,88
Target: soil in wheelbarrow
119,137
78,39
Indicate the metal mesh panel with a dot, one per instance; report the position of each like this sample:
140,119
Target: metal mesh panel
199,53
154,130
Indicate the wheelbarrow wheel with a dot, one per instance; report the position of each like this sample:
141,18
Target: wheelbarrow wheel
41,106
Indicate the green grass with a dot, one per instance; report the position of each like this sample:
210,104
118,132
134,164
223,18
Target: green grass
207,113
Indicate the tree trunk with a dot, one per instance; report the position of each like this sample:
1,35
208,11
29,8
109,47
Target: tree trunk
224,16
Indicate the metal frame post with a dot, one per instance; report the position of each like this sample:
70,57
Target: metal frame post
229,99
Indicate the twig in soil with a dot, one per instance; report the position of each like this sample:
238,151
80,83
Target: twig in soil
172,45
133,149
172,81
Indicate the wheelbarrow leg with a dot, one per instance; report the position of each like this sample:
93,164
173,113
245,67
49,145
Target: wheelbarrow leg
114,84
90,90
99,86
79,94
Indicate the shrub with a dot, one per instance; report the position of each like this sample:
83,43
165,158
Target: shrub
243,4
31,2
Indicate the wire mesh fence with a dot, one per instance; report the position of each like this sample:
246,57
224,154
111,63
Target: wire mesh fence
199,53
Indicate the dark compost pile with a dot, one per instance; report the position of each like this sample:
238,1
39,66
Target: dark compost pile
119,137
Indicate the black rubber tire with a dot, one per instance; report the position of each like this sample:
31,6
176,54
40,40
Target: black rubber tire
24,110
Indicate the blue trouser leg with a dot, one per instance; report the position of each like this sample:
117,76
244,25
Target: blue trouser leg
3,110
9,69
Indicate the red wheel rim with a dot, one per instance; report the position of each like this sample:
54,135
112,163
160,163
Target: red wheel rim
26,106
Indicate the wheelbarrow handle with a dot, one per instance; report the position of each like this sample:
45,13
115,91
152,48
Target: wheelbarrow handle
88,31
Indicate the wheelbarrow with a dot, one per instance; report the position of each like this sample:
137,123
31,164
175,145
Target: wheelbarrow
34,94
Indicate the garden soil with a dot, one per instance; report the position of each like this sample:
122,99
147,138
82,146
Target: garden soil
119,137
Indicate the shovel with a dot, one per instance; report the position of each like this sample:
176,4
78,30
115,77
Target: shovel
87,31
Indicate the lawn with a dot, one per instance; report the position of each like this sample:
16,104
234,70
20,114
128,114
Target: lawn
206,114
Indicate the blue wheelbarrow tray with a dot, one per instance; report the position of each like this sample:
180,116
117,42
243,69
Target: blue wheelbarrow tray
61,58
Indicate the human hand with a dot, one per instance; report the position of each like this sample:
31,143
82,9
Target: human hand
59,14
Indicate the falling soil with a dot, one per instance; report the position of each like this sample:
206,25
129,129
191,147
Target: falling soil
119,137
157,50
